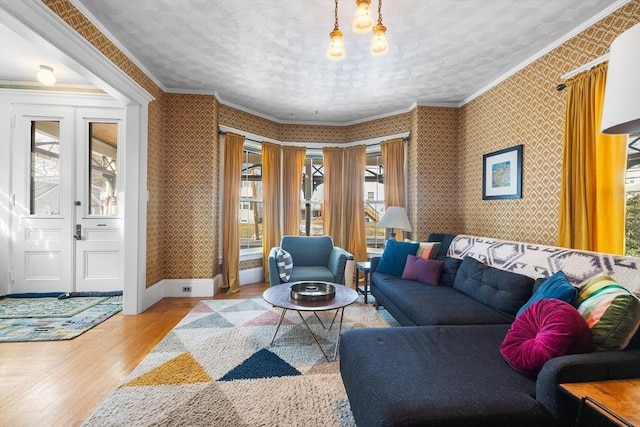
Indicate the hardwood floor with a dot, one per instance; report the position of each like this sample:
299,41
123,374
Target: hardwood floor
60,383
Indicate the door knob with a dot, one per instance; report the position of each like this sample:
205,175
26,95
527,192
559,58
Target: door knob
78,235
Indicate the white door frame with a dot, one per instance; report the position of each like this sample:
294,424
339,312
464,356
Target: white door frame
41,25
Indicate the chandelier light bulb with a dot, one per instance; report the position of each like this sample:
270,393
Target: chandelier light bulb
379,45
336,51
363,21
45,75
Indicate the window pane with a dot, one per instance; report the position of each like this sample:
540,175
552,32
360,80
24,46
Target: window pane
103,169
250,213
45,168
374,201
311,207
632,187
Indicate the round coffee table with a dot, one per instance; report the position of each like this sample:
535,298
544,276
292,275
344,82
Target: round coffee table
280,296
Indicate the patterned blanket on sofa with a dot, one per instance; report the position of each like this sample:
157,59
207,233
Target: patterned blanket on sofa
542,261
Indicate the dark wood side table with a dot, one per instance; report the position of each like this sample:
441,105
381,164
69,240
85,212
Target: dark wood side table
365,268
618,400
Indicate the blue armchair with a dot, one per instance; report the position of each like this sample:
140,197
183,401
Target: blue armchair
314,258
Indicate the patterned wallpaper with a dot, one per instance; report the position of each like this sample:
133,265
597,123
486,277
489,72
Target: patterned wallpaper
189,184
284,132
435,156
526,109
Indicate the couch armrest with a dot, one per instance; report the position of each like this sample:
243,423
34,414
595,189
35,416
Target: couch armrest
337,262
274,277
596,366
375,260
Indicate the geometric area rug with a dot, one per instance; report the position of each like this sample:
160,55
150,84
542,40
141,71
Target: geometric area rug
51,319
216,368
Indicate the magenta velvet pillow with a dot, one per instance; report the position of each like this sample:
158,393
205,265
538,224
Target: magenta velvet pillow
422,270
548,328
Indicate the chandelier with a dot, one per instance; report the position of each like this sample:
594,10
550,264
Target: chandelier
362,23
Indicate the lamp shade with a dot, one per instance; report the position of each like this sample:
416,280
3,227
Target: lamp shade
621,110
395,217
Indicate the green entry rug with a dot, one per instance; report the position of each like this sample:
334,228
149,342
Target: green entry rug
17,308
53,319
216,368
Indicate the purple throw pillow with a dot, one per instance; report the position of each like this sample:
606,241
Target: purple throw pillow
422,270
548,328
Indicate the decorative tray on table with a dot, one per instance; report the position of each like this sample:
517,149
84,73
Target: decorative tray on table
312,291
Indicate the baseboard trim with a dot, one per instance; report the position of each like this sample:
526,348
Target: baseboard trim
197,287
251,275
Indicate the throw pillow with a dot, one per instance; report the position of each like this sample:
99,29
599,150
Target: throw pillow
611,311
557,286
422,270
427,250
285,264
548,328
395,255
430,250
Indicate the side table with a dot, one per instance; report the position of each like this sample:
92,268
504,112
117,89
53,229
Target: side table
615,399
365,268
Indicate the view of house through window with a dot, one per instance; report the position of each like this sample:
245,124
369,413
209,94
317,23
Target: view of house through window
311,197
632,189
45,168
250,213
103,175
374,200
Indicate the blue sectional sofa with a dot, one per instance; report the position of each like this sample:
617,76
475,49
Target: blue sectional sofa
444,367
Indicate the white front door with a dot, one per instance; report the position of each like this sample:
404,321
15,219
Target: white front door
98,227
43,167
66,220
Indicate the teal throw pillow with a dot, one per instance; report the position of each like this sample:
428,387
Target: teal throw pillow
395,255
556,286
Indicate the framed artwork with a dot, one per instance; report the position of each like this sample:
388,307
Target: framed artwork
502,174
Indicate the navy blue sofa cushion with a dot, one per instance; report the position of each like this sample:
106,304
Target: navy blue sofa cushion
414,303
436,376
502,290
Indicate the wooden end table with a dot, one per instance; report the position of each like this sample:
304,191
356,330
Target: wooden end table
615,399
365,267
280,296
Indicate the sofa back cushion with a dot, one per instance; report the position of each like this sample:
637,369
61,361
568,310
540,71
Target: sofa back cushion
502,290
449,270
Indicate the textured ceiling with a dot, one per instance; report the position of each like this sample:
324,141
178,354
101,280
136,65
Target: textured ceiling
268,56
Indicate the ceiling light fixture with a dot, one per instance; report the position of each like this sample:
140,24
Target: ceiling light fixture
45,75
336,51
379,44
363,21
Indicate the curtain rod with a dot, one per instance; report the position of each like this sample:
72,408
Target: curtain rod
582,68
221,132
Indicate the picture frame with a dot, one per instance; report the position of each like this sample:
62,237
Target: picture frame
502,174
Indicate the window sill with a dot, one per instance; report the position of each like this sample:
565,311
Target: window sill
250,254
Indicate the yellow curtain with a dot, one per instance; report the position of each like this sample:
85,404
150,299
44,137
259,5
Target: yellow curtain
333,197
592,205
271,169
293,160
393,166
233,148
355,239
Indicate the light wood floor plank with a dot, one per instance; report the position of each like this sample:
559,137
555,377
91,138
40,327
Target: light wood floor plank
60,383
